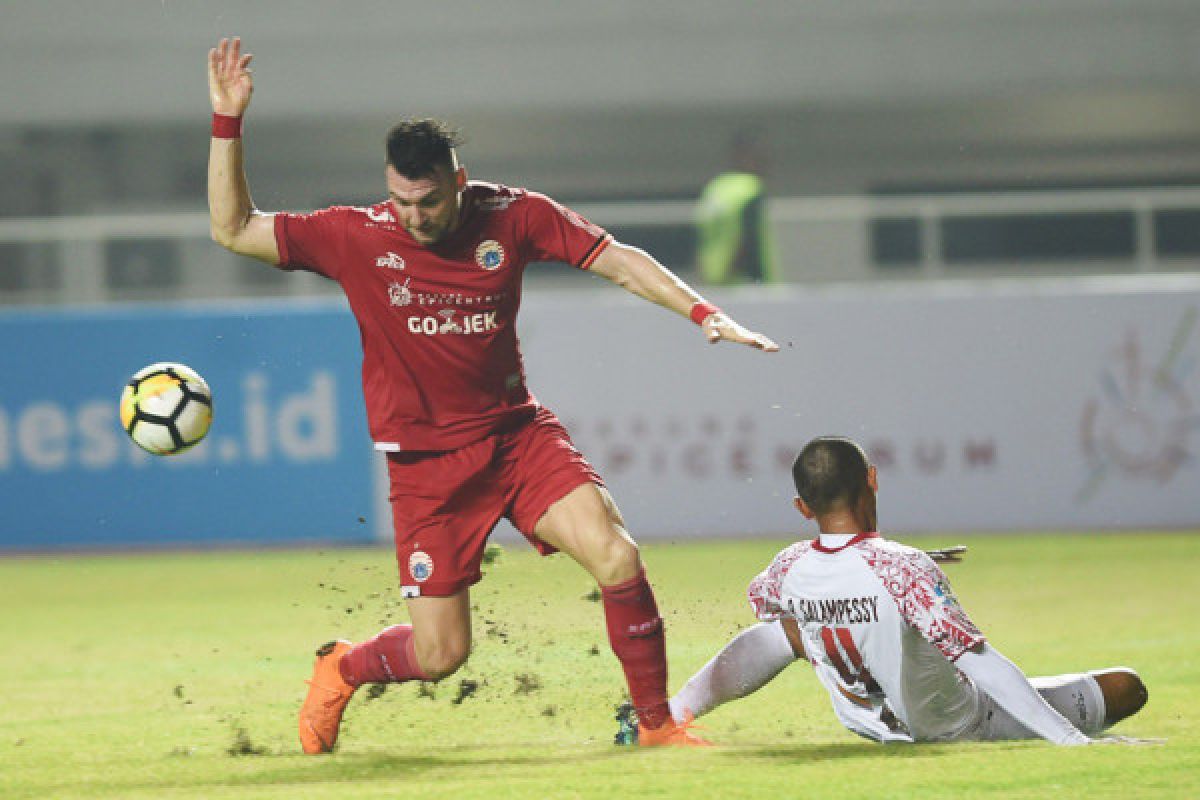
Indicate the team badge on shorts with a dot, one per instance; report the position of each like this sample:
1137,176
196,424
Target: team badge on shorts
420,566
489,254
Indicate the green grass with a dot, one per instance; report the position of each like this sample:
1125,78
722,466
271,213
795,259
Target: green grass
136,675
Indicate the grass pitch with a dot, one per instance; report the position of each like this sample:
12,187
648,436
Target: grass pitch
179,675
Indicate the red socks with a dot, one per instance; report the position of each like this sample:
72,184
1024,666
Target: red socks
388,658
635,631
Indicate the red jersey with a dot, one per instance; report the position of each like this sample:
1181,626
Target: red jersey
442,364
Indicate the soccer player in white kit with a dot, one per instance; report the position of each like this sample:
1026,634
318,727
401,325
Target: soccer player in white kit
887,638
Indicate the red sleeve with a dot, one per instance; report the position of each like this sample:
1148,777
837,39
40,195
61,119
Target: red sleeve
311,241
556,233
927,603
766,590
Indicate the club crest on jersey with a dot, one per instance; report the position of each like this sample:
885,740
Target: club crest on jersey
390,261
489,254
399,294
420,566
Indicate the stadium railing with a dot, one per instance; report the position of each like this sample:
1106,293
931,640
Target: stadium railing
168,256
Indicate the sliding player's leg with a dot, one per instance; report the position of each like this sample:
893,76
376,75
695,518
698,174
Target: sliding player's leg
1091,701
1124,693
1094,700
748,662
1076,696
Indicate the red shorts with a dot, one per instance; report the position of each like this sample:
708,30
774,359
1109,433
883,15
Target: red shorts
445,504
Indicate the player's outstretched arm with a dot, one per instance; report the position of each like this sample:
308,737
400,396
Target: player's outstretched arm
948,555
1007,685
638,272
234,221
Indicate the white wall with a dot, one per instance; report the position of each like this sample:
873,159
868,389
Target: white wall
1018,405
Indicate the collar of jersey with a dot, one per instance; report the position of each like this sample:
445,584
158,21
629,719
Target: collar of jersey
816,545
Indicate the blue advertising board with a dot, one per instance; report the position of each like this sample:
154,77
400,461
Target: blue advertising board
288,457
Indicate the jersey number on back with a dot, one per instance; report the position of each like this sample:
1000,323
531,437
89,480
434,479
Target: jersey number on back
843,654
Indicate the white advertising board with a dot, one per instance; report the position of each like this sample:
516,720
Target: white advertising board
1018,406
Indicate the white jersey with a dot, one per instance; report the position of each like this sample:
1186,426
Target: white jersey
882,630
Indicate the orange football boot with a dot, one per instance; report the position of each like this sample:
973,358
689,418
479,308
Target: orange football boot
328,694
672,734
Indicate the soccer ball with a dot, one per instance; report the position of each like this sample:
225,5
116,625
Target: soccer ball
166,408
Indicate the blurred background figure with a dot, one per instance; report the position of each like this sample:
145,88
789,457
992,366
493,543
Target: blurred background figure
734,243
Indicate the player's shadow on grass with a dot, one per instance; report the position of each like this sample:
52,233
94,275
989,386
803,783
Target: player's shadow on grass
827,751
291,768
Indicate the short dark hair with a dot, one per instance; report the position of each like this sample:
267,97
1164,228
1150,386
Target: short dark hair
416,147
830,472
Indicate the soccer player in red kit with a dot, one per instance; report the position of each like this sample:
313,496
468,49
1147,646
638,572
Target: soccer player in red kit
433,277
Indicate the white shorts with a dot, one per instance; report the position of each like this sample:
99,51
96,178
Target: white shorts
1077,697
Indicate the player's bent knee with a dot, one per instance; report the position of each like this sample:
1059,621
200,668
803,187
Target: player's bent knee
442,659
619,562
1124,693
623,552
441,665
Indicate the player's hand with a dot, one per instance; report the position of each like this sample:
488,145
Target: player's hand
718,326
229,81
948,555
